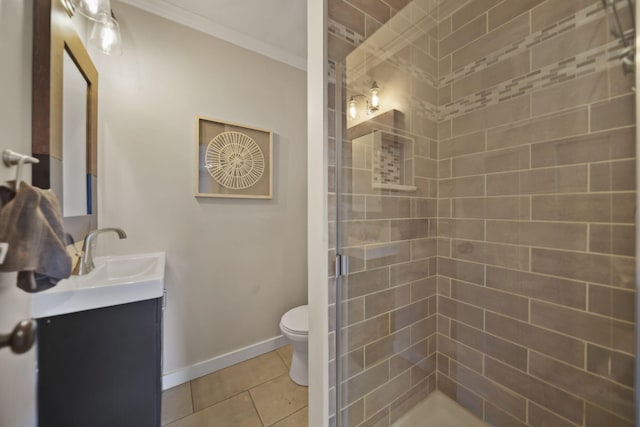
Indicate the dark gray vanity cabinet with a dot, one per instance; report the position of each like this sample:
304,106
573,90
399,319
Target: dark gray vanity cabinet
102,367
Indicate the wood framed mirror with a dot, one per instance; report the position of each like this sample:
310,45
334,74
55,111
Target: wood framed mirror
64,115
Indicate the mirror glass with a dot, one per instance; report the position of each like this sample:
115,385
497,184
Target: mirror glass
74,140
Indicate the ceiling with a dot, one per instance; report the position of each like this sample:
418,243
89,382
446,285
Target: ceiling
274,28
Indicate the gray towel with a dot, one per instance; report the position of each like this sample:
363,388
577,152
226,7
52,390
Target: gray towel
31,223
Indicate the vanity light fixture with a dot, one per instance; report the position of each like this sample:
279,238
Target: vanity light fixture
105,36
372,105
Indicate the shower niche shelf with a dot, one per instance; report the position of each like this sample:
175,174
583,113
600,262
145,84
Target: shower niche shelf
392,161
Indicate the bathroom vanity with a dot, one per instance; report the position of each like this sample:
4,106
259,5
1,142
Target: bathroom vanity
100,345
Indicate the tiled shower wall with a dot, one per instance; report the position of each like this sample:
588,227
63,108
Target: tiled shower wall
534,190
536,215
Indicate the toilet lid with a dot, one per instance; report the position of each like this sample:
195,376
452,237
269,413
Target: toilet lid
296,320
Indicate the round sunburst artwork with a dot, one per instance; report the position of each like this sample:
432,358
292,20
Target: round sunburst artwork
234,160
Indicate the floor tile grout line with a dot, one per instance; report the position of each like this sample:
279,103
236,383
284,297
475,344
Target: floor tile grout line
255,408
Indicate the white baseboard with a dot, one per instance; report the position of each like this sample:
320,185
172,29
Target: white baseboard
189,373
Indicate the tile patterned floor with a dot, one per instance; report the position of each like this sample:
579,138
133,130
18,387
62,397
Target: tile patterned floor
255,393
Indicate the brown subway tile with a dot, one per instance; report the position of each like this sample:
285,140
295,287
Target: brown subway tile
514,30
444,66
386,347
499,114
492,161
509,256
352,415
360,232
347,15
444,325
444,286
409,271
361,384
337,51
508,68
600,146
618,367
461,187
533,389
353,311
501,13
406,359
495,347
515,207
463,35
462,395
471,229
444,27
351,207
491,299
380,419
488,390
497,417
554,126
387,254
444,208
612,239
444,248
616,112
365,332
423,248
444,97
386,394
460,353
585,207
424,288
424,328
380,207
374,8
443,363
382,302
460,311
423,369
553,11
559,346
604,269
429,65
471,10
444,130
612,302
405,229
546,288
461,270
461,145
426,168
366,282
613,176
579,91
593,328
597,417
585,385
541,417
542,234
569,43
408,315
566,179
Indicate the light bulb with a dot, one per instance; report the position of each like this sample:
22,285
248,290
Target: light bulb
375,98
353,111
105,36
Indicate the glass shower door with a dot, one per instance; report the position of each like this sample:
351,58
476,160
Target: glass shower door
486,206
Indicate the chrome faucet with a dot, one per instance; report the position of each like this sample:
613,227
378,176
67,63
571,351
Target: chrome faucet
85,265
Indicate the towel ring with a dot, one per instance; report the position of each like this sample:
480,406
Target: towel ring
11,158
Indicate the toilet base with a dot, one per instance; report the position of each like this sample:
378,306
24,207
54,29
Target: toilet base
299,371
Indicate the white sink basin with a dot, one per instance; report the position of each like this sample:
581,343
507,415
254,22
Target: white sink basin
115,280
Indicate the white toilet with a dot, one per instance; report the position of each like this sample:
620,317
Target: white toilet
295,327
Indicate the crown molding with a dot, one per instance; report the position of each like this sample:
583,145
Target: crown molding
204,25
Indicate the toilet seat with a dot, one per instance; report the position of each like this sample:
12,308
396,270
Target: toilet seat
296,321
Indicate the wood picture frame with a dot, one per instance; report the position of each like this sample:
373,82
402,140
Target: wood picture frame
233,160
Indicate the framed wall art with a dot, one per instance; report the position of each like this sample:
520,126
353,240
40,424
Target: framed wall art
233,160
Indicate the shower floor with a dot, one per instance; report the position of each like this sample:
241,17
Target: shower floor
438,410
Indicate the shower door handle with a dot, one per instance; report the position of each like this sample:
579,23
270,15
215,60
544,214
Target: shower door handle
342,265
21,339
